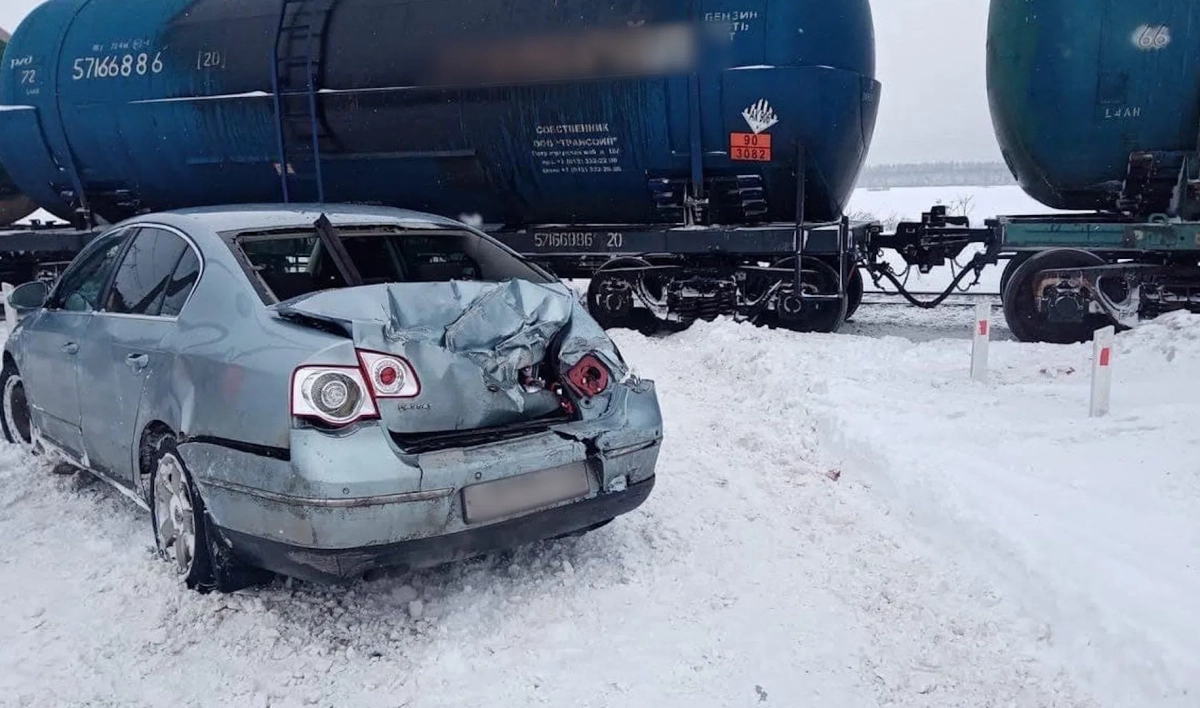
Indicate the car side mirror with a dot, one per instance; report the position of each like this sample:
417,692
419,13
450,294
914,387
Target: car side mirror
28,297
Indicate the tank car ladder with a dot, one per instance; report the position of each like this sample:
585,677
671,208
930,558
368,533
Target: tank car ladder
296,59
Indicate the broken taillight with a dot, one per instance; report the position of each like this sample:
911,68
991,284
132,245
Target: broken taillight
589,377
389,376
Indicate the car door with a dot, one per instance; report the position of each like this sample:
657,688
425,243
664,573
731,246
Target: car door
156,274
53,340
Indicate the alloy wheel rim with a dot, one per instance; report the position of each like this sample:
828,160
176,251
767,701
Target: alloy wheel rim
16,412
173,514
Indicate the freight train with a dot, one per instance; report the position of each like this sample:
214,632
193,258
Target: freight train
587,127
690,158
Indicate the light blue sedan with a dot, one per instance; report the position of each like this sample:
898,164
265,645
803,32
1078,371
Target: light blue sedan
320,392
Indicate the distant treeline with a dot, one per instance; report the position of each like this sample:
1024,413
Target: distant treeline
936,174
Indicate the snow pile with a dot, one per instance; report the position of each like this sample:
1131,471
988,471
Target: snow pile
1090,524
840,520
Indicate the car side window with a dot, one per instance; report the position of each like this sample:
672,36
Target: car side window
142,279
183,281
81,286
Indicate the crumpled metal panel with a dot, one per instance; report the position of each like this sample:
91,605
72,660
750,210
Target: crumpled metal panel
467,337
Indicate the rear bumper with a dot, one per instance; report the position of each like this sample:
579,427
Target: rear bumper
334,505
323,565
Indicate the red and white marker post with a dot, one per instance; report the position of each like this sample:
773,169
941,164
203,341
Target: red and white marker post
979,345
1102,353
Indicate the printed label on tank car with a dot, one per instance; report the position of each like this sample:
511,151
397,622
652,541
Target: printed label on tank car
595,241
26,73
750,147
577,149
211,59
1151,38
738,20
1122,112
112,66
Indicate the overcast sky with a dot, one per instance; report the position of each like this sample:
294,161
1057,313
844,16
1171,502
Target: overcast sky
930,59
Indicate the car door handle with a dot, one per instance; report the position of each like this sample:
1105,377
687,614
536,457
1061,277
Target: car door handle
137,362
70,347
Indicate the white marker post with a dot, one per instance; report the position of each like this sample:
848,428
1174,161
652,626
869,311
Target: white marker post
1102,350
979,346
10,315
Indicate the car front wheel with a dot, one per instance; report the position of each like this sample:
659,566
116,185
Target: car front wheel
14,416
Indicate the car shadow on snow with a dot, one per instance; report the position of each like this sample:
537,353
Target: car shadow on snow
381,614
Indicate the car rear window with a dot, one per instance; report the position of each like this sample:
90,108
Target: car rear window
295,263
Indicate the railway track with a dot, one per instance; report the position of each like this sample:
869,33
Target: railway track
894,299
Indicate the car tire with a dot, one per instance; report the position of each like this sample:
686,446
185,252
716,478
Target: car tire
212,564
14,410
177,517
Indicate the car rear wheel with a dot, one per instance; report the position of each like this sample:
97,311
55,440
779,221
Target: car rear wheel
183,533
177,513
15,419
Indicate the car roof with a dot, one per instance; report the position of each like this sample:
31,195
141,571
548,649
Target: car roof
255,217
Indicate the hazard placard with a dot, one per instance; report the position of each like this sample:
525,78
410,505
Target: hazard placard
753,147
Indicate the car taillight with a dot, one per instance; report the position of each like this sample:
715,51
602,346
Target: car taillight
589,377
334,394
390,376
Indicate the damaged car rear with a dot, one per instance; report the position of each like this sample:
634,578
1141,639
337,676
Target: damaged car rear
340,390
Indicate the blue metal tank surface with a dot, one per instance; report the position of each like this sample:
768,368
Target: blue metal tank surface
1075,86
13,204
154,104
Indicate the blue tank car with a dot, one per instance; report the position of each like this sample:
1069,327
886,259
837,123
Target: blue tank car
1077,86
13,204
519,111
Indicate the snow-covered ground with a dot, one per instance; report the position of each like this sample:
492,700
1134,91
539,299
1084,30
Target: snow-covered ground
840,520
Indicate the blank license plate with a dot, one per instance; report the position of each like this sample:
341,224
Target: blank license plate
512,495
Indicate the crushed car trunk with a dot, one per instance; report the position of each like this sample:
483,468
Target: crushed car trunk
488,356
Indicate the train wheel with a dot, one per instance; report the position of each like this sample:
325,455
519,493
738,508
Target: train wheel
819,278
1020,300
795,313
612,301
1010,267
